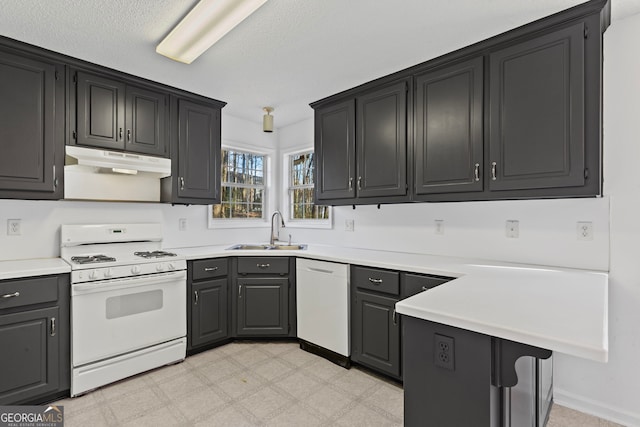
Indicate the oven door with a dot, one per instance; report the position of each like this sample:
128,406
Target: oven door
112,317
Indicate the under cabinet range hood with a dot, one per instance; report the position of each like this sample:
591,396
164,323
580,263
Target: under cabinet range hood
95,174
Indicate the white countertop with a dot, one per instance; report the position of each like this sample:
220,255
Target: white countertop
564,310
32,267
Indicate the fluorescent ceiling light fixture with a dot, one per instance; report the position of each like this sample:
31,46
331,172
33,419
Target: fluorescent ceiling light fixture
207,23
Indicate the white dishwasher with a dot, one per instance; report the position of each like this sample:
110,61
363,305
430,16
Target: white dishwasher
322,300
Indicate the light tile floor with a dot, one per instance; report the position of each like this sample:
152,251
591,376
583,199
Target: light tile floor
248,383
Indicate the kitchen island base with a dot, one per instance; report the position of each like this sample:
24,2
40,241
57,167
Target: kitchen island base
455,377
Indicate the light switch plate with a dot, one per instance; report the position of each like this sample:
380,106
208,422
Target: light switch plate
512,229
348,225
585,230
14,227
439,226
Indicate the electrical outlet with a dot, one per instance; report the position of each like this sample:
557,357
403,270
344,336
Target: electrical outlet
444,352
14,227
512,229
439,223
585,230
182,224
348,225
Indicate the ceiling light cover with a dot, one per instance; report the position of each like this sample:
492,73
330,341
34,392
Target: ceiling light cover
207,23
267,120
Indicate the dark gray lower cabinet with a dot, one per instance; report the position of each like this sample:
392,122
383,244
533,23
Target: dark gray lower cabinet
376,333
34,332
208,307
263,296
209,312
263,306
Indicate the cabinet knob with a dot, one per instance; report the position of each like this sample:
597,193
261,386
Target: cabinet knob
210,268
53,327
476,172
181,183
350,183
375,281
359,183
262,265
493,171
128,134
195,294
120,134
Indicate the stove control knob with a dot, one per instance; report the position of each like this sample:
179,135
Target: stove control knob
108,273
93,275
159,267
171,266
135,269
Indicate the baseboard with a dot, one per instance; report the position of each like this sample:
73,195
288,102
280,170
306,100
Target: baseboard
592,407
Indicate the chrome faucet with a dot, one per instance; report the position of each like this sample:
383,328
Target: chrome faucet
275,236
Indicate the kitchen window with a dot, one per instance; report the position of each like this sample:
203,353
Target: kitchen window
243,187
302,211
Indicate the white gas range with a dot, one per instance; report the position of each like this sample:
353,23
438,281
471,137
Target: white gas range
128,302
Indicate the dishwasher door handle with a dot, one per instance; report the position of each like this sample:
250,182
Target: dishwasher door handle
320,270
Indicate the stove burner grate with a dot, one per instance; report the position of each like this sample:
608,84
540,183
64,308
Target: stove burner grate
91,259
154,254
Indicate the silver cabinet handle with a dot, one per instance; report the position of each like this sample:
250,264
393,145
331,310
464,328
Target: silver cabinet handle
350,183
359,183
53,326
375,281
393,316
493,171
262,265
120,134
13,295
476,172
239,291
128,134
210,268
182,183
195,294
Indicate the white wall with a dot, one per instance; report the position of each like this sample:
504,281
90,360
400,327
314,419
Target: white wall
613,390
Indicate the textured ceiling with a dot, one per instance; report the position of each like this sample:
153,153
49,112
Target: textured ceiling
286,55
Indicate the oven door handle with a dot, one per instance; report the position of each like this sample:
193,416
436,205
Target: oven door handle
127,282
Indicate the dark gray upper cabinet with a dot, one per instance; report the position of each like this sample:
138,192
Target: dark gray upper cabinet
381,147
515,116
196,152
113,115
34,332
448,129
335,153
100,111
32,130
146,120
361,146
537,112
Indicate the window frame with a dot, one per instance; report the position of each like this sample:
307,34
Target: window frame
286,202
267,197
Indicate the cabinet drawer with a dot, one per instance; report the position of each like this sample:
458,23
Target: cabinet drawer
376,279
416,283
21,292
209,268
263,265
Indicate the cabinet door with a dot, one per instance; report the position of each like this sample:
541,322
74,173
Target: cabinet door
263,306
537,112
32,126
376,333
381,145
146,121
335,151
198,152
448,144
29,356
209,311
99,111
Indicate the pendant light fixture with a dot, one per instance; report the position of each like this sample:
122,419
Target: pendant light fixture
267,120
208,22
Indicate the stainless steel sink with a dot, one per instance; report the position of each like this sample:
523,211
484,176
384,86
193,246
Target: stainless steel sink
248,247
